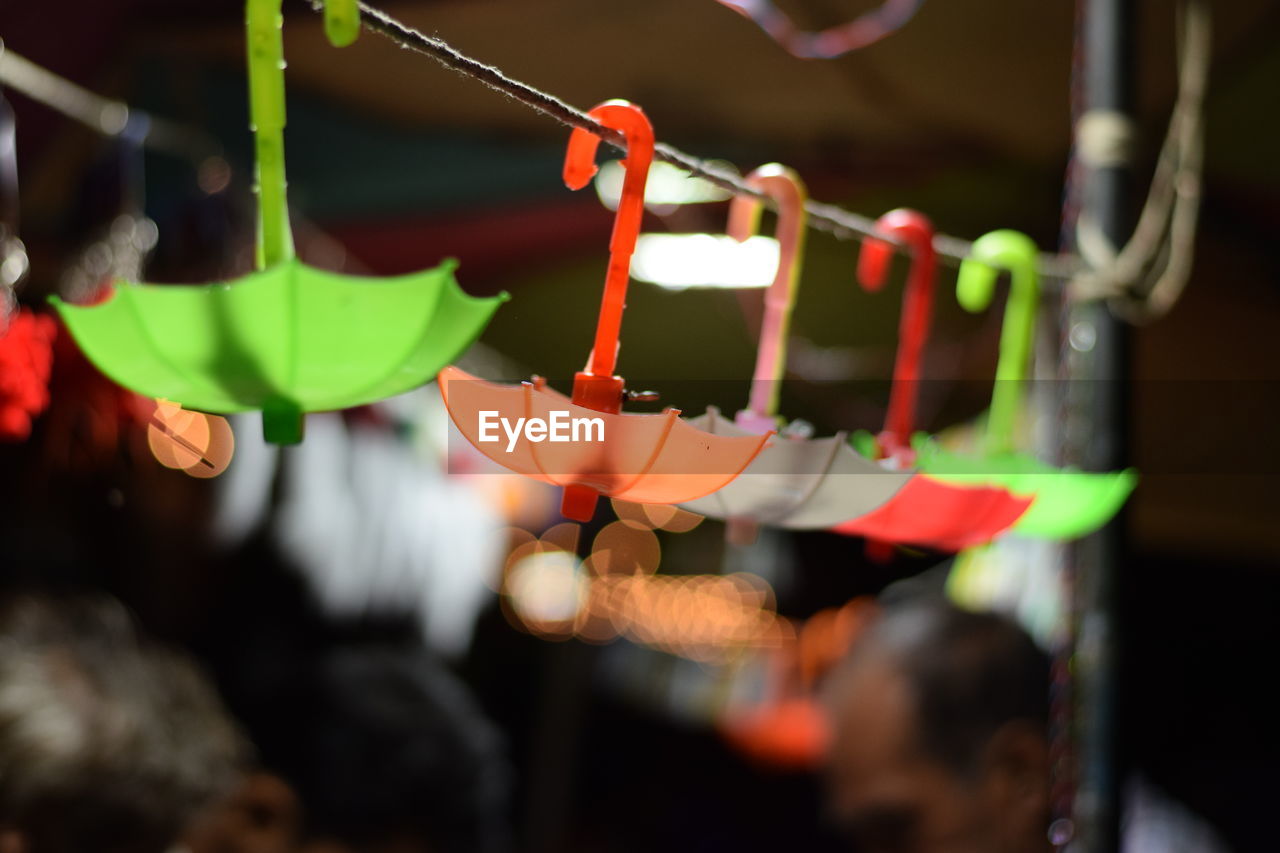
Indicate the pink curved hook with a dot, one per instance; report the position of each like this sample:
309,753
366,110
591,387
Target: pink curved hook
579,167
787,190
917,313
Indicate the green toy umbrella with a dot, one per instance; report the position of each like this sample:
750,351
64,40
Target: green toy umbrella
1068,503
289,338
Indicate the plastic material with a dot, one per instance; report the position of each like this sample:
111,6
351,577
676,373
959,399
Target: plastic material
796,483
802,484
642,458
645,458
926,512
579,167
917,316
822,483
947,516
1068,503
785,187
975,288
288,339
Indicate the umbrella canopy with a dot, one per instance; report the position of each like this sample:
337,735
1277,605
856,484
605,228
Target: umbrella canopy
1067,503
289,338
948,516
642,458
803,484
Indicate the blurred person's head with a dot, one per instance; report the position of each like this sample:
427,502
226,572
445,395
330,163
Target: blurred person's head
940,719
108,743
369,749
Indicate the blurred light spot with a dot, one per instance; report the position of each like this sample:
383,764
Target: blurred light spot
517,538
214,175
666,185
198,444
547,589
632,514
620,548
680,261
562,536
673,519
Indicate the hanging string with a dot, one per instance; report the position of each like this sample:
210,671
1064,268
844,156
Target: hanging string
107,116
1150,272
866,29
1102,273
841,223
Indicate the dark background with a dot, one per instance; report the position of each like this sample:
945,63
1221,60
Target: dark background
965,114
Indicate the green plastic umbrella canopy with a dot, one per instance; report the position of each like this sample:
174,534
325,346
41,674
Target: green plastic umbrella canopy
287,340
1068,503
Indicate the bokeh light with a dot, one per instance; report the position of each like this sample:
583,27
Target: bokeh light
198,444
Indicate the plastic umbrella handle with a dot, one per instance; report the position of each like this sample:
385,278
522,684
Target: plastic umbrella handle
263,24
579,167
917,315
786,189
1015,252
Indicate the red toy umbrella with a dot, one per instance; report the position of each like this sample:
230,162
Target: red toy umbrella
925,511
647,458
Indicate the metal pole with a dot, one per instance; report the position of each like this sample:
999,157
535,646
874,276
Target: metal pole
1098,366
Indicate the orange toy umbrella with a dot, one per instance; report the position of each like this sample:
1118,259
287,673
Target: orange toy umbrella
587,445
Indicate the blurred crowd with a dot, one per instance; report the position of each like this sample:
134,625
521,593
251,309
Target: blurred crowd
113,742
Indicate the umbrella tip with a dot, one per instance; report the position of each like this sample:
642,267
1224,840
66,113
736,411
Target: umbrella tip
579,502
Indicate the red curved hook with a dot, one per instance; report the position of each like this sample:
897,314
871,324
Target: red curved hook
917,313
579,167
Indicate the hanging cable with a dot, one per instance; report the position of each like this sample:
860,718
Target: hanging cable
1164,234
824,217
1145,278
107,116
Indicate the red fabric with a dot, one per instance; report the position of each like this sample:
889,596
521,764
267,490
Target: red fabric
937,515
26,359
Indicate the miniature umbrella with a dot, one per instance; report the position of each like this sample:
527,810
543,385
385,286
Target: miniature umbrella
795,482
1068,503
289,338
646,458
942,515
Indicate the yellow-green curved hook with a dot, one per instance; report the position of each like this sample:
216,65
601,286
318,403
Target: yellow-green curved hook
341,21
265,46
975,287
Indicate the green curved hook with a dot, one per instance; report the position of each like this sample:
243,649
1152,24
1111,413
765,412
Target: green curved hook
975,287
265,44
341,21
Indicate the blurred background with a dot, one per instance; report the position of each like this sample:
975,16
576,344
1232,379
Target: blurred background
370,538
